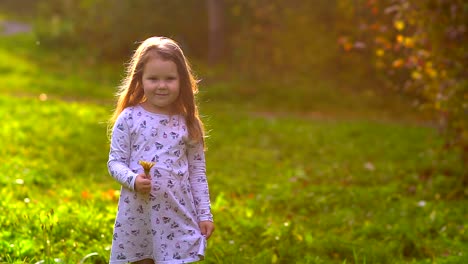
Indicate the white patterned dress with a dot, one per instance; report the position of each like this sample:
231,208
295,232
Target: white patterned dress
161,225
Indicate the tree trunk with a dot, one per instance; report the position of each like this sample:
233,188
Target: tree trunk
216,30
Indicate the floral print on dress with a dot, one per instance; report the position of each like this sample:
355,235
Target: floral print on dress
161,225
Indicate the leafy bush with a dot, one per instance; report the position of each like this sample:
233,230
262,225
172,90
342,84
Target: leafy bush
418,48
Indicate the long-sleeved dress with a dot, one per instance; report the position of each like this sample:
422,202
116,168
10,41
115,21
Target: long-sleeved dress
161,225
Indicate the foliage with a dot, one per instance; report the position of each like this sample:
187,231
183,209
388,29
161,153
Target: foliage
285,38
419,48
117,25
289,44
23,8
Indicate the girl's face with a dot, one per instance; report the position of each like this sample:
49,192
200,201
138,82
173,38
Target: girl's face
161,85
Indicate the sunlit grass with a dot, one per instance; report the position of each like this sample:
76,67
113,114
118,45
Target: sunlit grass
316,97
316,191
28,68
284,189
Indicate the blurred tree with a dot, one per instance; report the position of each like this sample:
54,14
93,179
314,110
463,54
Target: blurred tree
23,8
417,48
109,29
216,30
285,39
259,38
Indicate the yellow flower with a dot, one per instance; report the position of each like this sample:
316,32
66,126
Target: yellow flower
147,165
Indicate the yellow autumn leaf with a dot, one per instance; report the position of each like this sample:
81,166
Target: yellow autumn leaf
408,42
400,38
398,63
431,72
416,75
399,25
347,46
379,52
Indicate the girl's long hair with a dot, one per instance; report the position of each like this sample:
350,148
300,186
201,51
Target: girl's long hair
131,93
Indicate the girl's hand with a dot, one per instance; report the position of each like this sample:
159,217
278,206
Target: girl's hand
143,183
206,228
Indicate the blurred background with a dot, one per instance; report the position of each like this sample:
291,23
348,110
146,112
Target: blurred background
352,79
405,48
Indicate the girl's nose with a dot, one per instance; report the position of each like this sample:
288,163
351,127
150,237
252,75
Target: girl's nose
161,85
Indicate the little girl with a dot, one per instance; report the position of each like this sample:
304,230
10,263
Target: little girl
163,216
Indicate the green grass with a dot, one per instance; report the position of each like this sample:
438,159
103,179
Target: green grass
285,188
28,68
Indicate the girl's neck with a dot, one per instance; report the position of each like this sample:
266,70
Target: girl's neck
149,109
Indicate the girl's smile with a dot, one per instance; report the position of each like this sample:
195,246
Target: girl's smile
161,85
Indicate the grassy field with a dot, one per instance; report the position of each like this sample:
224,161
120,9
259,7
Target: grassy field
345,181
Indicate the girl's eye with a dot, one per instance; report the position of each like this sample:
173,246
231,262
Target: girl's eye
171,78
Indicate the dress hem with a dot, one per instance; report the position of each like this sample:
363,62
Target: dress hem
173,261
124,261
179,261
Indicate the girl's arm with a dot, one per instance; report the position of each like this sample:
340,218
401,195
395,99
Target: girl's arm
198,181
119,155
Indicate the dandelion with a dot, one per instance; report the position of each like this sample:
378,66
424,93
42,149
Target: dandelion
147,165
